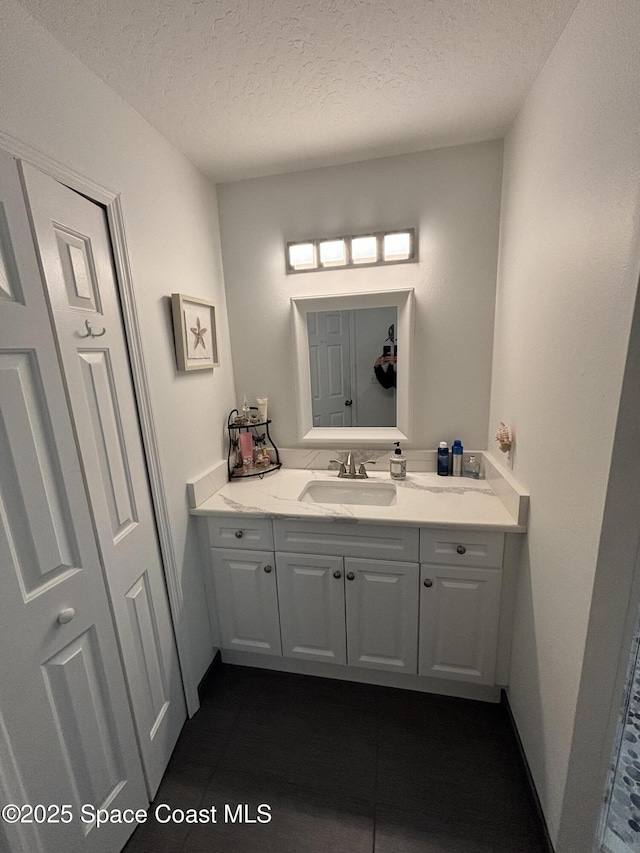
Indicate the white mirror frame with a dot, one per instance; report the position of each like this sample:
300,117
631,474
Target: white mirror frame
402,300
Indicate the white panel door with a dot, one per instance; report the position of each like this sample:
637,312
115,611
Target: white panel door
382,614
311,599
65,720
459,615
330,365
246,595
75,253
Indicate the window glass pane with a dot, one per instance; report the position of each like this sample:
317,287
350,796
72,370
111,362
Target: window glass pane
364,250
332,253
397,247
302,256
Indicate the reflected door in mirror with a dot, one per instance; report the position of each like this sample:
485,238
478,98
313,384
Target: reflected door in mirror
330,366
352,367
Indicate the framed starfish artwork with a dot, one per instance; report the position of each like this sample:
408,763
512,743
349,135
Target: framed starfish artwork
194,325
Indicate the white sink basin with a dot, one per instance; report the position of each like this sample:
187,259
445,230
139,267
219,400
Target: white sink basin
361,492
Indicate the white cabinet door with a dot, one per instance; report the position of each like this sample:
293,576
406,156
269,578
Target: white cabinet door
311,597
247,600
459,614
382,614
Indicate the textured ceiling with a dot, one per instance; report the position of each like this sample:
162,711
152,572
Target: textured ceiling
256,87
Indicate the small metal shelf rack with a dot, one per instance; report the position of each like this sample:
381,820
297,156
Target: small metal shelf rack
235,425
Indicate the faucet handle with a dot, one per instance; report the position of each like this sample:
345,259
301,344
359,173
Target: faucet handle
342,469
363,471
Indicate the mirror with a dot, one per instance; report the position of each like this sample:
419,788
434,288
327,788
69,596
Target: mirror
350,388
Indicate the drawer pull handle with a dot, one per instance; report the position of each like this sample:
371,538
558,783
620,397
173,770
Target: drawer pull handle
239,534
461,549
337,575
428,582
267,569
350,576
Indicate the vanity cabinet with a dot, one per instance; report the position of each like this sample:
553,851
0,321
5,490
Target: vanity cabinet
422,602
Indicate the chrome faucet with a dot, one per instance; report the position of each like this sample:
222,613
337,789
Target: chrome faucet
348,468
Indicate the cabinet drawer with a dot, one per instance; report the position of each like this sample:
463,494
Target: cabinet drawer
346,540
461,547
239,532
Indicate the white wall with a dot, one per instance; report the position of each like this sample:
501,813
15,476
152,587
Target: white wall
56,105
452,197
567,282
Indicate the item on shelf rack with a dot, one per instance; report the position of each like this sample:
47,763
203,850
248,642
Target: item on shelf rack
246,410
262,407
251,450
246,450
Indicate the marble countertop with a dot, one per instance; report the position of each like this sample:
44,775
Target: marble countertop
422,499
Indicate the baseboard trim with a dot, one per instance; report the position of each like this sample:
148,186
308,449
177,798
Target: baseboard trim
211,672
383,678
544,831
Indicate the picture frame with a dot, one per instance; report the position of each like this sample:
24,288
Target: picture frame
196,337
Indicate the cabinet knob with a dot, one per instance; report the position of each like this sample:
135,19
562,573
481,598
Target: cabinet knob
267,569
239,534
428,582
461,549
337,575
350,576
66,615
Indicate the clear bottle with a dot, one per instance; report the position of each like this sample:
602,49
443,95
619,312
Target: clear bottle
472,468
397,464
443,459
456,457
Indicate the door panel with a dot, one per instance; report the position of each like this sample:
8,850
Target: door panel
459,616
311,601
30,487
247,600
75,253
80,704
144,628
106,424
64,711
382,614
10,287
79,269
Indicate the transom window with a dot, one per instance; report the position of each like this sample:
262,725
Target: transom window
374,248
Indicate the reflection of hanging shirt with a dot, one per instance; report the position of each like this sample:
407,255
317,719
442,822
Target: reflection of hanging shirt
387,378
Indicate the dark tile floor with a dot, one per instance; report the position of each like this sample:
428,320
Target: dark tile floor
345,768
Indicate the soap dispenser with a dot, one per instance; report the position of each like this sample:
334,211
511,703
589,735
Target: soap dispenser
397,464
